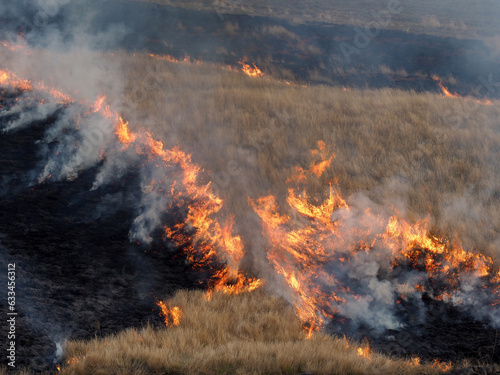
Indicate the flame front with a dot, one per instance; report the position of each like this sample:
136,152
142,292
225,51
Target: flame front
318,248
204,240
447,93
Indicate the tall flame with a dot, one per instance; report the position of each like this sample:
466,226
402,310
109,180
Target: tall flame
171,316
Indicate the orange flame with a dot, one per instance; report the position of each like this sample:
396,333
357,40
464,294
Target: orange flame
318,235
364,352
172,316
123,133
203,239
251,71
447,93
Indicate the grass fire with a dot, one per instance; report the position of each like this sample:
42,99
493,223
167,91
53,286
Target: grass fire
244,190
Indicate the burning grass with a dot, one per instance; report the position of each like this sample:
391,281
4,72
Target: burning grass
250,333
420,152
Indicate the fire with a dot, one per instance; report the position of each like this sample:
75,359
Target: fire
204,240
447,93
172,316
10,79
169,58
443,366
124,134
313,245
364,352
251,71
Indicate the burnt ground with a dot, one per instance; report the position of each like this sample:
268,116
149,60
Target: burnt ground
303,52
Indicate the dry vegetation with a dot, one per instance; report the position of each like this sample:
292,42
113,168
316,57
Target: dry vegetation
424,154
244,334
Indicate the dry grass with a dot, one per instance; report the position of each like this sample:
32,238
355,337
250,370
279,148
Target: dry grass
244,334
422,153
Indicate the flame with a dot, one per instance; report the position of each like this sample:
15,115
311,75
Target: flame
447,93
169,58
364,352
10,79
172,316
124,134
204,240
303,241
251,71
312,246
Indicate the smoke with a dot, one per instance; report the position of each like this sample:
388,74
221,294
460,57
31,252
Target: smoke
24,113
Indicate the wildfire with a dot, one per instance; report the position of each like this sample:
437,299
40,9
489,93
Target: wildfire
447,93
169,58
315,247
250,70
172,316
204,240
10,79
124,134
312,244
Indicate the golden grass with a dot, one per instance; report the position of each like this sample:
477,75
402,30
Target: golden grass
251,333
422,153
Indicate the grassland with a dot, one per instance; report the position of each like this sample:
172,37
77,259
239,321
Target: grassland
244,334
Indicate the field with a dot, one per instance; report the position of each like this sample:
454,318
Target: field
245,334
419,155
